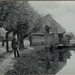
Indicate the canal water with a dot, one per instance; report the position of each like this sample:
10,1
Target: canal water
69,68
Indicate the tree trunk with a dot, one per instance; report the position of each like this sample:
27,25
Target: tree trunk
30,39
7,43
21,41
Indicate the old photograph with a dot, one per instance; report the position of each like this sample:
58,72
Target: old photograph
37,37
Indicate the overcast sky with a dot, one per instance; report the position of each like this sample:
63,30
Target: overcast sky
62,11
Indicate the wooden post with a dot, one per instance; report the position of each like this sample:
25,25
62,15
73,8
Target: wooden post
47,46
48,59
47,51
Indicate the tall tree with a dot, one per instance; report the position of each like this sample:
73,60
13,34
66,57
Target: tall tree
19,17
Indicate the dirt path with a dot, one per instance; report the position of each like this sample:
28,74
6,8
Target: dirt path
7,60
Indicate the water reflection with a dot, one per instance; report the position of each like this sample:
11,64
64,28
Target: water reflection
69,68
58,60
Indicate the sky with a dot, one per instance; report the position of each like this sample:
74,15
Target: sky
62,11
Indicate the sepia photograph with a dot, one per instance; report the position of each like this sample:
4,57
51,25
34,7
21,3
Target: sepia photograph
37,37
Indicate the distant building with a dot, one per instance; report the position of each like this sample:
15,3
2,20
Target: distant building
3,34
55,29
49,21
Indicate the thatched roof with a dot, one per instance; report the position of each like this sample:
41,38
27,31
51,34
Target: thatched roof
55,27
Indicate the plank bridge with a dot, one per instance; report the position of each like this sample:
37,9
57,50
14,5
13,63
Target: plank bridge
62,46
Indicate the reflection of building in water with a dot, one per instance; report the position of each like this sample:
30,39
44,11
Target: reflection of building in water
58,60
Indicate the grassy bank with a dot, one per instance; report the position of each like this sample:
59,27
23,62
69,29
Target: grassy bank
30,63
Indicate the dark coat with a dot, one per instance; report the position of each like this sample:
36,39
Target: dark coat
15,44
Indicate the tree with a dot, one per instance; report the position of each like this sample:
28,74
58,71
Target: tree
5,9
19,17
70,35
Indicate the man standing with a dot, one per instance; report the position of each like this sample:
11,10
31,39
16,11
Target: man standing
15,47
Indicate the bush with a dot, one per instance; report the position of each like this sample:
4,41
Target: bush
30,63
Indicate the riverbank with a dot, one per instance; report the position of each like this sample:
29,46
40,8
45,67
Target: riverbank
34,61
30,62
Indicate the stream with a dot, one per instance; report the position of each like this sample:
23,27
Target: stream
69,68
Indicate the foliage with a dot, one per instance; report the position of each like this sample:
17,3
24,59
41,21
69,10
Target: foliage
70,35
29,64
18,13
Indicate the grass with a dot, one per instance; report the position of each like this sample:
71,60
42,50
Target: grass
30,63
34,62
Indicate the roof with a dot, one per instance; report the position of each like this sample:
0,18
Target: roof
55,27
